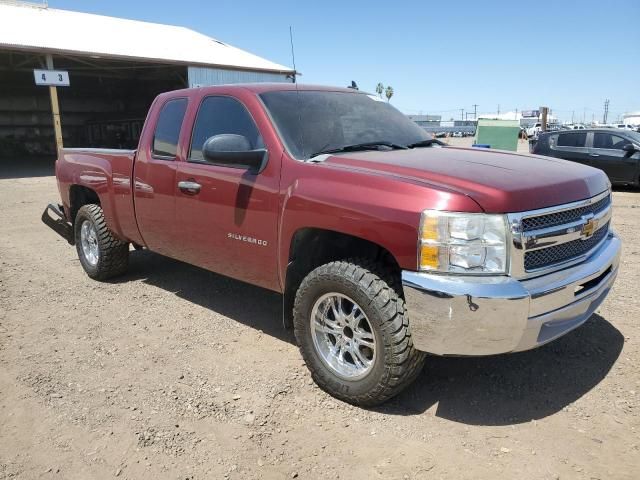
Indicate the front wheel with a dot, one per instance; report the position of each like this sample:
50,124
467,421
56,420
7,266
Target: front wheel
101,254
353,332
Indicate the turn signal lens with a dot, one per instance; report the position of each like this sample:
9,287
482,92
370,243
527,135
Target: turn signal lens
429,256
430,228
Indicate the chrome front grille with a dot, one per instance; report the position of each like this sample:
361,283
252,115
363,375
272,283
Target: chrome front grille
552,238
564,216
545,257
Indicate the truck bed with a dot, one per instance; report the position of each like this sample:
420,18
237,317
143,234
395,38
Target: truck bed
107,172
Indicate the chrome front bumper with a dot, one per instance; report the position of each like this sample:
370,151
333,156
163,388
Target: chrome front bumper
472,315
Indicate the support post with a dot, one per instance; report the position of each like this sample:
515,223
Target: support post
55,109
544,111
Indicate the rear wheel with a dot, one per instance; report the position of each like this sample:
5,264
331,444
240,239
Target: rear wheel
101,254
353,332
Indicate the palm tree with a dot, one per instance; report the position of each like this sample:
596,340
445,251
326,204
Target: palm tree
379,89
389,92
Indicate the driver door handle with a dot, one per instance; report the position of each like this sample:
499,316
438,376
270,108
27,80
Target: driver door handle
189,187
595,154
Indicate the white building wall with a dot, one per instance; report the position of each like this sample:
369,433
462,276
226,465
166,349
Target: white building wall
205,76
631,118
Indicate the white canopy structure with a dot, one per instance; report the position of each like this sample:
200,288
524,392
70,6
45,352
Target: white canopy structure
48,30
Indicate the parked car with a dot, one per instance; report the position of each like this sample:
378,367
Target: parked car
616,152
533,131
624,126
384,243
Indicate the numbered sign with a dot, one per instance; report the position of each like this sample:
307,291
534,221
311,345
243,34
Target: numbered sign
57,78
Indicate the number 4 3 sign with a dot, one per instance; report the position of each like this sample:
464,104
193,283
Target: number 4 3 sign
57,78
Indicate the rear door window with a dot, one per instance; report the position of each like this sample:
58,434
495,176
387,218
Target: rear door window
167,134
609,141
572,140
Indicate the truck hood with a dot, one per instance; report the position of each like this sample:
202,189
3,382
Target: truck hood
499,181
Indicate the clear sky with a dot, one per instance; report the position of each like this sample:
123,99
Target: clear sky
439,56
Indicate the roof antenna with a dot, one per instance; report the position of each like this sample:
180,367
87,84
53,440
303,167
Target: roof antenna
295,80
293,56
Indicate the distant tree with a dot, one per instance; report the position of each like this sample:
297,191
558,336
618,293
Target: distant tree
379,89
389,92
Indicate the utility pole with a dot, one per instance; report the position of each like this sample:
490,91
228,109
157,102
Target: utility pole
55,109
606,111
475,111
572,112
462,114
498,109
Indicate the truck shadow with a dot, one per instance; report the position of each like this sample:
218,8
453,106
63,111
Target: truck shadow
497,390
515,388
253,306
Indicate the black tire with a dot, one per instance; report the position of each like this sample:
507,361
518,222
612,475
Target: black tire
113,254
378,295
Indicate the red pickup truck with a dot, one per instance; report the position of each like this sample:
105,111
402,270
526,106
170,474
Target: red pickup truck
384,243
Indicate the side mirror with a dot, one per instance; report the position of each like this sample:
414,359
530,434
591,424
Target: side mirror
629,149
234,151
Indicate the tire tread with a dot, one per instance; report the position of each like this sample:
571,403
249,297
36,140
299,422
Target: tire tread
404,362
114,253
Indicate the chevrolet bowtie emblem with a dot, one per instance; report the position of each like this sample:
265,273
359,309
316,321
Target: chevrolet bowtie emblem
589,228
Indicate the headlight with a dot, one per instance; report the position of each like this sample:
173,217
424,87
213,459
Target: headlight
463,242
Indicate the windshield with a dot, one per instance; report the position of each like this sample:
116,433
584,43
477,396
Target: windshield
315,121
635,136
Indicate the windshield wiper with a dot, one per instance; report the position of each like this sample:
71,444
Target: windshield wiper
426,143
360,146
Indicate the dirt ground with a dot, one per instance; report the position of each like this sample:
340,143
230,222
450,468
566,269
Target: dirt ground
174,372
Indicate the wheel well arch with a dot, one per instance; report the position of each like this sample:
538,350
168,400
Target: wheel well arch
79,196
312,247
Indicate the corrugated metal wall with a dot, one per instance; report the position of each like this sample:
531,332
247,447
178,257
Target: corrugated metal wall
203,76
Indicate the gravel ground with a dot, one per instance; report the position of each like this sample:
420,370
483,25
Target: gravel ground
174,372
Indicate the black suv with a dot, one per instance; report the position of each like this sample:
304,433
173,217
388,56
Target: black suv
616,152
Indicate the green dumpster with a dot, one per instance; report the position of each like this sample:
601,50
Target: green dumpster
500,134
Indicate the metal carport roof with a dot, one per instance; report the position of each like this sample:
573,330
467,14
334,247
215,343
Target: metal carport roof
50,30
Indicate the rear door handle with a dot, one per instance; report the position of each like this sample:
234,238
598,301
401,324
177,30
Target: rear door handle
594,154
189,187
